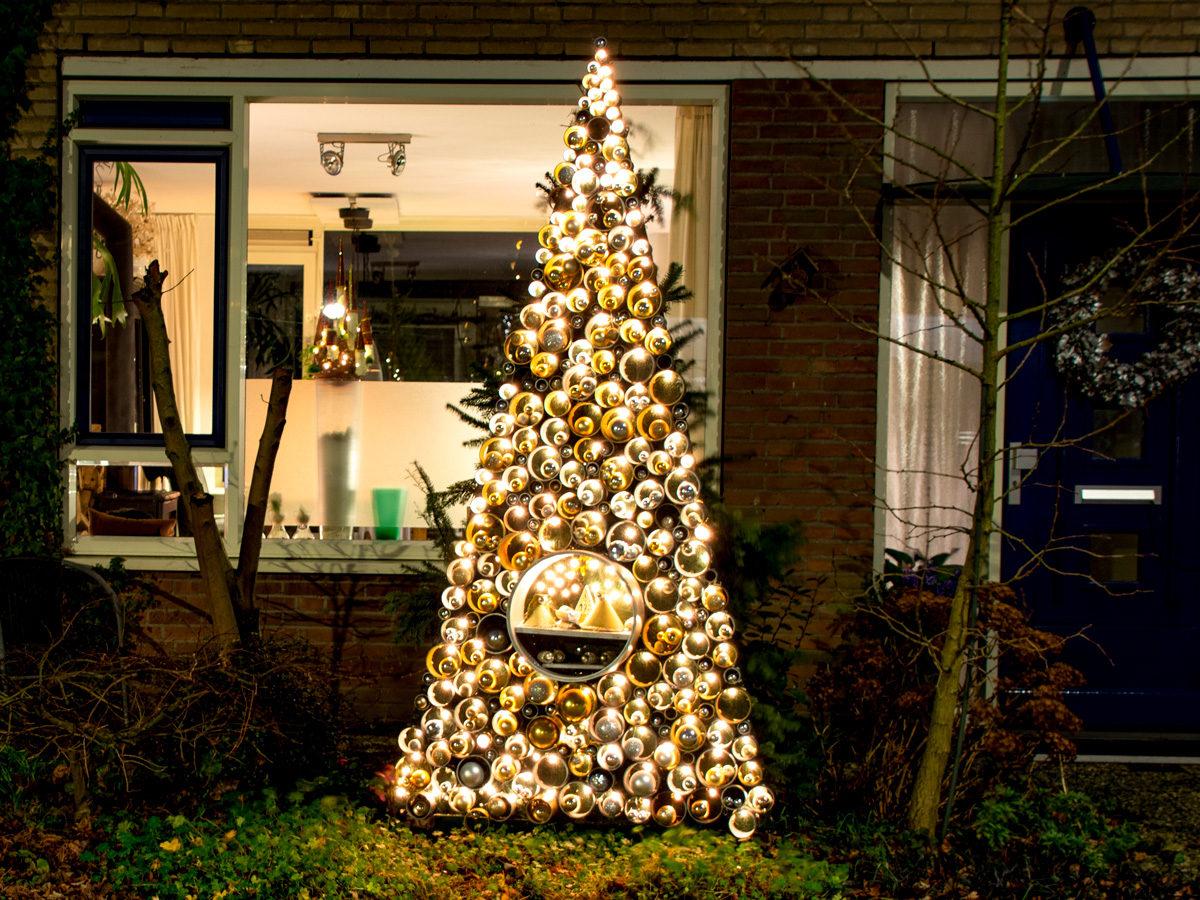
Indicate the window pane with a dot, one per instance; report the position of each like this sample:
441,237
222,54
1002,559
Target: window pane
1114,556
438,300
148,207
138,500
274,318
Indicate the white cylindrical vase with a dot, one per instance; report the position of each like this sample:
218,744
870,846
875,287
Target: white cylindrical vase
339,434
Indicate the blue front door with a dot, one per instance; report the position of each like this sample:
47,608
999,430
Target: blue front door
1102,534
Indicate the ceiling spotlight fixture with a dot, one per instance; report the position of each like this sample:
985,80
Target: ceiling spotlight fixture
332,159
332,155
396,158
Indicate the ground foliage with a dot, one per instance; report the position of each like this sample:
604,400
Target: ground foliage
307,844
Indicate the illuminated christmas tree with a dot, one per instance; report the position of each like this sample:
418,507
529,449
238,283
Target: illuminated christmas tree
587,664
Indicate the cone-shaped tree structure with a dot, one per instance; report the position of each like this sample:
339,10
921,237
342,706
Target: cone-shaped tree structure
586,664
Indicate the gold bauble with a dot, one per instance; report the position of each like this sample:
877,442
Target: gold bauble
636,365
579,383
473,652
555,533
643,668
614,689
442,660
557,404
544,365
616,473
603,362
484,531
492,675
520,346
554,336
519,551
575,137
540,689
658,341
496,454
687,733
663,633
512,696
716,768
642,269
725,654
526,409
654,423
644,299
525,439
584,419
601,333
692,558
733,704
667,387
588,528
495,492
644,568
661,594
576,702
611,297
550,233
633,331
542,732
544,462
563,272
609,394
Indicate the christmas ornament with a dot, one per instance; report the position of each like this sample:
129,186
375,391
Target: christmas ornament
587,664
1081,352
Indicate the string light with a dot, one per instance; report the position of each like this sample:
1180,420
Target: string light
613,689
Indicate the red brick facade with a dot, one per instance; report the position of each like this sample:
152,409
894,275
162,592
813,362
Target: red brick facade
800,385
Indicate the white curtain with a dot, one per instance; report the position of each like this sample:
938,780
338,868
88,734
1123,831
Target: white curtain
691,221
933,407
691,227
188,313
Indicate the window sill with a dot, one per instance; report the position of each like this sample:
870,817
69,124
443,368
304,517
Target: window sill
312,557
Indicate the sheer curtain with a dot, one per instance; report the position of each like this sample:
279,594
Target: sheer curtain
691,221
933,408
187,308
691,224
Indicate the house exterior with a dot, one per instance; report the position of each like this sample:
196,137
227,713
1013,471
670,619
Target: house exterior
794,93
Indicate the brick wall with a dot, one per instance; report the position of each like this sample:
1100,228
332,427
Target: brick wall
800,381
342,616
800,384
646,29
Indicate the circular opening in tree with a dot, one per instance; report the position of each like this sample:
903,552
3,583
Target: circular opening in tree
576,615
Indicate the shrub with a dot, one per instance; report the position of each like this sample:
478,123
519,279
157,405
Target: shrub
871,701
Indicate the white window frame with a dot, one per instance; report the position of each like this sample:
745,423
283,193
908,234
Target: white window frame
252,81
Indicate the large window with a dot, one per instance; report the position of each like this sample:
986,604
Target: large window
254,231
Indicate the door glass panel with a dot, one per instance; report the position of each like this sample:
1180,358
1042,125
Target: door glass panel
1118,315
1118,433
1114,556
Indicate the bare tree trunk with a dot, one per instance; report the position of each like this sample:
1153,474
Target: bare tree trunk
260,487
927,785
230,591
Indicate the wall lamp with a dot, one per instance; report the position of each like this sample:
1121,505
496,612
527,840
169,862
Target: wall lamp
333,149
